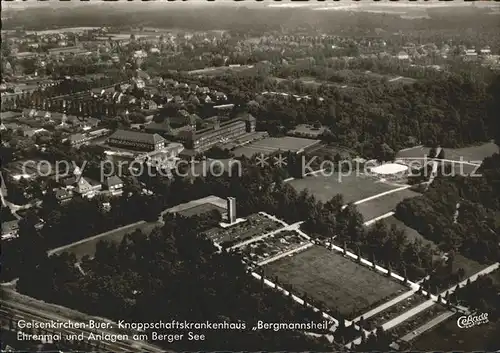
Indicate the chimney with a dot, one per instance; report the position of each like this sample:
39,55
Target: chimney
231,210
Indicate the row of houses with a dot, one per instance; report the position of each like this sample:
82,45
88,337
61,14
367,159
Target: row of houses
87,188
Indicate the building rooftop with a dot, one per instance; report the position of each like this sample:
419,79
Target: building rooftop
389,168
140,137
113,181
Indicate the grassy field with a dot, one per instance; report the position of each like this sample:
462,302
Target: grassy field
414,152
215,71
201,209
333,280
352,187
472,153
411,234
471,267
272,144
449,337
115,236
384,204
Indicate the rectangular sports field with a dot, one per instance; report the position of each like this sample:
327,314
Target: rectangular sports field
384,204
272,144
327,277
352,187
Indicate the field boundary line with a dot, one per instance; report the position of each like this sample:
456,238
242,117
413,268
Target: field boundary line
376,219
410,148
379,195
286,253
427,326
386,305
296,298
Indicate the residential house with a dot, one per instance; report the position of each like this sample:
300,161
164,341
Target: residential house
470,55
63,195
10,229
139,83
170,82
219,96
69,182
114,184
150,105
205,98
178,100
193,99
160,128
203,90
87,188
30,132
403,56
485,51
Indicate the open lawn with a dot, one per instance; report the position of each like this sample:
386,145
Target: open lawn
411,234
473,154
201,209
272,144
471,267
384,204
214,200
88,246
419,152
220,70
329,278
353,187
449,337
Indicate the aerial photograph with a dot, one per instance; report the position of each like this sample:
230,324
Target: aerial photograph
250,176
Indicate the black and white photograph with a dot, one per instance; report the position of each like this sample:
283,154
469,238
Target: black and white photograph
250,176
